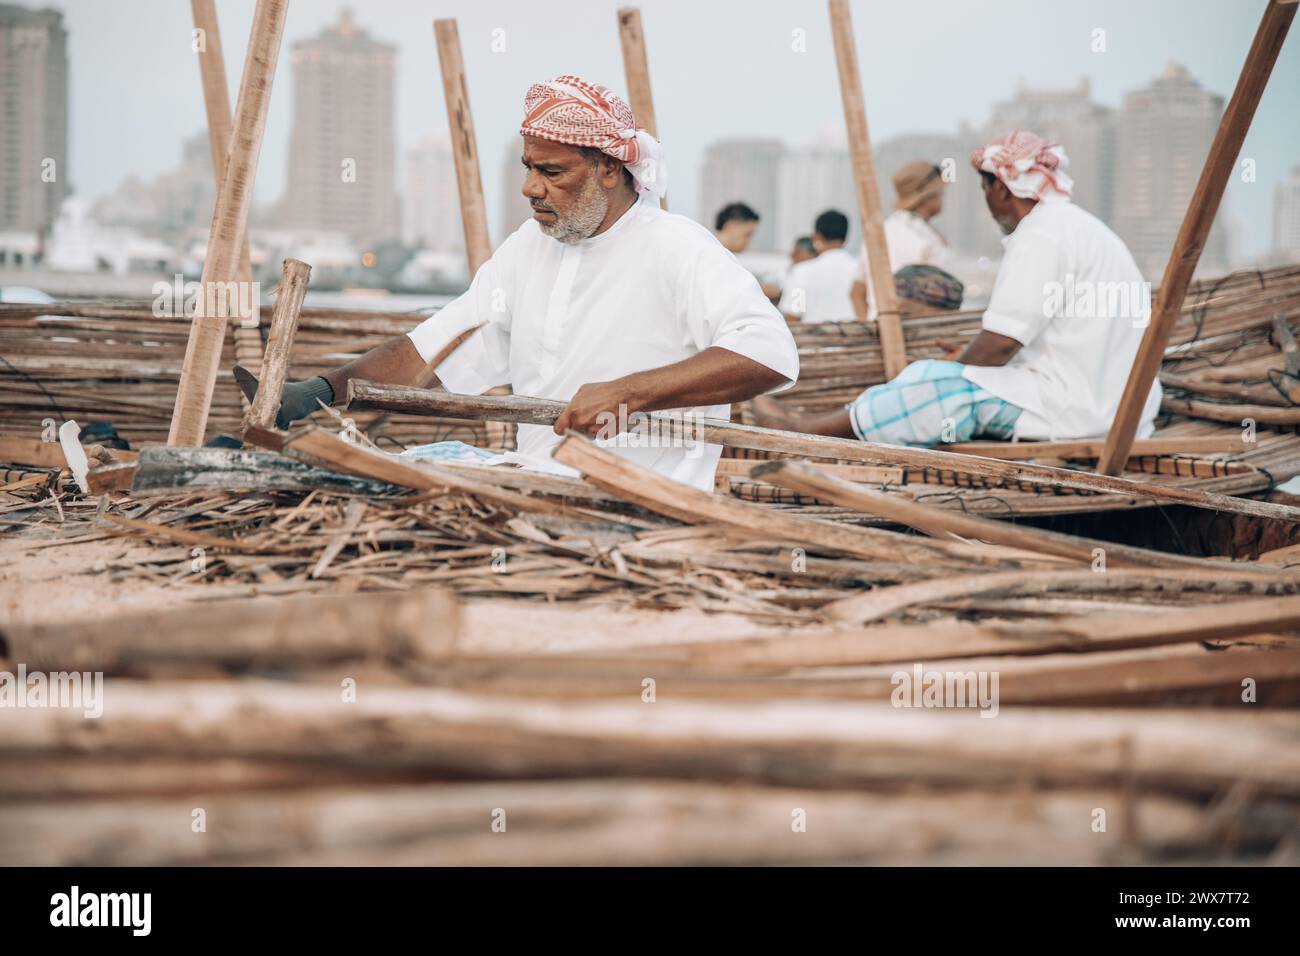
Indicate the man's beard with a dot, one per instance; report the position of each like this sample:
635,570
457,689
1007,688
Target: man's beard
585,216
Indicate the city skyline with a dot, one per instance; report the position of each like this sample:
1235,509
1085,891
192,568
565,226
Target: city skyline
1252,205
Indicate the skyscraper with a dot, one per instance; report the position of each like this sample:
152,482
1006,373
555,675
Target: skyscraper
342,150
33,117
1286,218
1164,134
748,171
430,203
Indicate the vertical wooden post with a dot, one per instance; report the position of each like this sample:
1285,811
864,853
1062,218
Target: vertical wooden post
636,67
279,343
216,102
888,321
464,147
229,221
1195,230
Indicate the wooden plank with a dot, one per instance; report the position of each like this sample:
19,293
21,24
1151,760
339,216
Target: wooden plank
888,320
464,145
443,732
294,276
1195,229
249,633
852,645
685,503
229,225
1092,447
370,395
162,469
636,67
216,104
945,523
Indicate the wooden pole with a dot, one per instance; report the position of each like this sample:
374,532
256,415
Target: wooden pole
464,147
284,325
229,220
636,67
888,321
216,102
364,395
1196,229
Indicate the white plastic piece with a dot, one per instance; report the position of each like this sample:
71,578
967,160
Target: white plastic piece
74,454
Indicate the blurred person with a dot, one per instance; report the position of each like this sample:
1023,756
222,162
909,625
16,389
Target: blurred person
602,300
1057,340
802,250
910,237
818,290
735,226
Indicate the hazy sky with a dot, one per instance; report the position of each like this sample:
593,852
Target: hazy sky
718,68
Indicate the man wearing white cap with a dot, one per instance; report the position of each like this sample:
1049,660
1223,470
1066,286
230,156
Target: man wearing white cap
601,300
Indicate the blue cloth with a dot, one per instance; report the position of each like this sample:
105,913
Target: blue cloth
928,404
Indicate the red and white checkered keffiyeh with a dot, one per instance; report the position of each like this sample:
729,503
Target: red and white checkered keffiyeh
570,110
1031,167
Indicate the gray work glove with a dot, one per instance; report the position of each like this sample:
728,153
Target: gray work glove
299,398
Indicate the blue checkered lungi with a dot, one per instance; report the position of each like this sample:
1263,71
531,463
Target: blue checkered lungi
928,404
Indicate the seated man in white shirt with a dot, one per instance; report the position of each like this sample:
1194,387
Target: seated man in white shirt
910,237
818,290
601,300
1059,335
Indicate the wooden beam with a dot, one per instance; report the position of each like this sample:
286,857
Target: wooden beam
216,103
1195,229
229,222
464,146
250,633
294,276
636,67
888,321
682,502
1092,447
538,411
946,523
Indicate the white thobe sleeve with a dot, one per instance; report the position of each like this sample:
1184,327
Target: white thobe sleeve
482,361
724,306
1021,304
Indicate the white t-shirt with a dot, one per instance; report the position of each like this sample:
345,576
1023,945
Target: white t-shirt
1069,291
911,241
817,290
653,289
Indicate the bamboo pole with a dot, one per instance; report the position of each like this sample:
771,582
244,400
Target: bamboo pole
284,325
888,321
1196,229
216,102
229,220
464,146
636,67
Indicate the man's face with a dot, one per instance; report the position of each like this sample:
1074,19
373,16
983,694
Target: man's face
567,191
736,234
800,254
998,198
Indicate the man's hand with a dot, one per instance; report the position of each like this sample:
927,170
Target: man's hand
584,413
298,400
